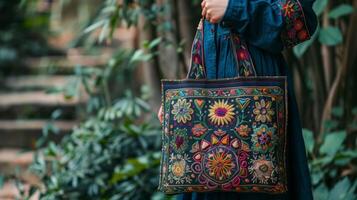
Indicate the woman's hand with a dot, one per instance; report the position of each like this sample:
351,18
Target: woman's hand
160,114
213,10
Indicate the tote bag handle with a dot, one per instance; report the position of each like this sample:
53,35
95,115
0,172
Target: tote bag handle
242,56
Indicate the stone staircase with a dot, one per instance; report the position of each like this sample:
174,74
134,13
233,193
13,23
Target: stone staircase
26,108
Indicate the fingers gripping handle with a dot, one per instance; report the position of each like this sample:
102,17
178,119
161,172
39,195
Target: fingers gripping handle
243,59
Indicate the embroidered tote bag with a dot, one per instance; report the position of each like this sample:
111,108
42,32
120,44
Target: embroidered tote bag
224,134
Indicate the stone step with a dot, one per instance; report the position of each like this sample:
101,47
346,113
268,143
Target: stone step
36,98
34,82
25,133
9,191
12,158
64,64
38,104
15,163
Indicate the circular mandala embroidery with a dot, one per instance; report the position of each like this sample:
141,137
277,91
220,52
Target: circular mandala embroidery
221,113
263,138
180,140
182,111
220,164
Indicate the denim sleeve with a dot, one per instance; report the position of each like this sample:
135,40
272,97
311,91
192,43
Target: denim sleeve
272,24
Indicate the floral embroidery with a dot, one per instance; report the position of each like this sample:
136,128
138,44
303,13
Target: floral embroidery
263,111
182,111
234,139
242,54
262,170
243,58
180,140
220,164
263,138
243,130
198,130
288,9
295,30
179,169
221,113
197,70
220,132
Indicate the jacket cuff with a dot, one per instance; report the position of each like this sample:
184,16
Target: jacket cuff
295,30
234,14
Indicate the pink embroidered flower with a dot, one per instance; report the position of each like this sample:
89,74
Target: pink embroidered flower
197,59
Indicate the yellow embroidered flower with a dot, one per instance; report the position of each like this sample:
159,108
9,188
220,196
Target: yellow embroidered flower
182,111
221,113
178,168
263,111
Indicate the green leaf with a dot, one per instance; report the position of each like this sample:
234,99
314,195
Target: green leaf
330,36
309,140
155,42
333,143
300,49
319,6
340,189
317,177
2,180
354,111
341,10
321,192
337,111
351,195
94,26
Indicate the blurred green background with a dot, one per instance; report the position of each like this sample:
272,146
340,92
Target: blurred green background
80,88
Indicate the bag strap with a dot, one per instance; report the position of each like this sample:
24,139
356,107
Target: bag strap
242,56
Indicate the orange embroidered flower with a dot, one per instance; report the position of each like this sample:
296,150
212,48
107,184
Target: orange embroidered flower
178,168
198,130
220,164
243,130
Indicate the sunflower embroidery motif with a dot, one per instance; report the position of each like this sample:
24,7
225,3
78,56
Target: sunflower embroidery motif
182,111
221,113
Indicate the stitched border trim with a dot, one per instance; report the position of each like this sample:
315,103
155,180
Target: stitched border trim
295,30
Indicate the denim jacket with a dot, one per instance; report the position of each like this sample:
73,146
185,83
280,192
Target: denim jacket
267,26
